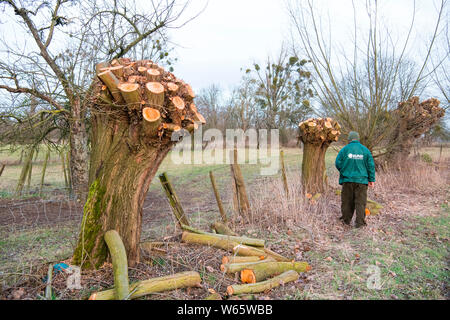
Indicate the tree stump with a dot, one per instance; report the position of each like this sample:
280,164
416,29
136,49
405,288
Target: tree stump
317,135
136,106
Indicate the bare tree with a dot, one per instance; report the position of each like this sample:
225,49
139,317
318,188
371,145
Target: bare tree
242,106
63,41
359,86
209,103
283,90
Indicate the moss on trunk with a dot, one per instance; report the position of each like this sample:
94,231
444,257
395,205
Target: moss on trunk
124,159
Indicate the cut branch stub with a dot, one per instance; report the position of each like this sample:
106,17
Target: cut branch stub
112,83
190,92
155,94
153,74
142,70
152,119
172,87
142,84
177,110
118,71
130,93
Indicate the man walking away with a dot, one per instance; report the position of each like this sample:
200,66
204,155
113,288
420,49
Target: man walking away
356,171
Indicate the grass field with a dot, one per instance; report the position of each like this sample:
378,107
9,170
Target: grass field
407,243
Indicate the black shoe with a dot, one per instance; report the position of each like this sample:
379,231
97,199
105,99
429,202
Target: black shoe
361,225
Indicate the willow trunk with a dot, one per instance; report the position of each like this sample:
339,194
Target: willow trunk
133,116
313,168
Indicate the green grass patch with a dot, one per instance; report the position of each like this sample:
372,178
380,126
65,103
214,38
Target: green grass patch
411,267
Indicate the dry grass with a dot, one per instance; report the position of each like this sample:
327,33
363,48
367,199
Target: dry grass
273,211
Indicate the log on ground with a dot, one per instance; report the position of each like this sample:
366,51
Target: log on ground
243,250
236,239
261,271
161,284
223,228
120,264
207,240
282,279
238,259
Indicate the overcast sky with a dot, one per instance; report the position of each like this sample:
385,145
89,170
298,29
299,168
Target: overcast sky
231,34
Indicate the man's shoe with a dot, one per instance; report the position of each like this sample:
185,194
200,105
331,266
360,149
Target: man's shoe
361,225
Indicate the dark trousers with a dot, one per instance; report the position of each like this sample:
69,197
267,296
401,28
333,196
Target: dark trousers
354,196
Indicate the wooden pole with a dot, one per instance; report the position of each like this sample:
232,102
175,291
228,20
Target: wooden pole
44,168
283,173
235,192
244,205
25,169
174,201
2,168
69,175
217,195
63,162
30,170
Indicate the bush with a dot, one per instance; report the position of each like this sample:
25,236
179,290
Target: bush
426,158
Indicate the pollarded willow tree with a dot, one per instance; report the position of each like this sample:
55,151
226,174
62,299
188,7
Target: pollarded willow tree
317,135
413,120
136,107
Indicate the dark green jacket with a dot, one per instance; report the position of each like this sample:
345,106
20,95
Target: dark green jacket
355,164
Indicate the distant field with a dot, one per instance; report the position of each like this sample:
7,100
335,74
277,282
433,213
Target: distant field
54,178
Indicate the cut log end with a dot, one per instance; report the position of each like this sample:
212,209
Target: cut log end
172,87
142,70
190,92
198,117
248,276
230,290
171,127
151,115
178,103
153,74
155,87
128,87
